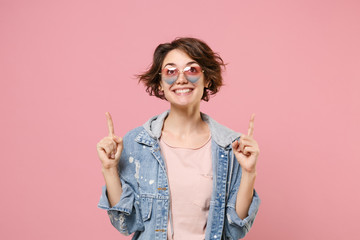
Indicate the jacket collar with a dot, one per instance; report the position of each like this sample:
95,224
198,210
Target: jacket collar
222,135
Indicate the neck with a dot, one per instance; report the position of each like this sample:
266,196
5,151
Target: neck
183,121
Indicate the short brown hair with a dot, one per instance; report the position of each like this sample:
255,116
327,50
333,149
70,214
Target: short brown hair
210,62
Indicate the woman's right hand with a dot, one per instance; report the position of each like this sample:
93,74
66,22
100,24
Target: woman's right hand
109,148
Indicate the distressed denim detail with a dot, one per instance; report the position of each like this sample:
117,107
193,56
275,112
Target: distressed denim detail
144,205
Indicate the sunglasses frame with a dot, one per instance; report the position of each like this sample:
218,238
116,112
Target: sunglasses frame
181,72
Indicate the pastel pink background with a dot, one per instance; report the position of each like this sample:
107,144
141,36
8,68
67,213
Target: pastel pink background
295,64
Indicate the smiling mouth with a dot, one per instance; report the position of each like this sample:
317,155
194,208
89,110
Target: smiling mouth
180,91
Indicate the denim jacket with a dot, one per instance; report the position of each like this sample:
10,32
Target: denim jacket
145,202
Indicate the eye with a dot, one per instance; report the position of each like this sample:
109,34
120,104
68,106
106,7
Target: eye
170,71
192,70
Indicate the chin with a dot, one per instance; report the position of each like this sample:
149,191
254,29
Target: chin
184,101
184,104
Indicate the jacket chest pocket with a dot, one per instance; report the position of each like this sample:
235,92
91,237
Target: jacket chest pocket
146,207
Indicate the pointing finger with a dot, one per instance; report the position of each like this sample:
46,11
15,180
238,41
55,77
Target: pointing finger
110,124
251,125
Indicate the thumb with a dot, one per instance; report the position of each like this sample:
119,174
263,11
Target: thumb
118,150
236,145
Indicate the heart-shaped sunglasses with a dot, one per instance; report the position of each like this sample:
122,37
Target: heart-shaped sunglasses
170,74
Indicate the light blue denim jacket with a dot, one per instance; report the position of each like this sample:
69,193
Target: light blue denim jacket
144,205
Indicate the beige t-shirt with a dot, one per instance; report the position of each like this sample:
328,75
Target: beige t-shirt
190,179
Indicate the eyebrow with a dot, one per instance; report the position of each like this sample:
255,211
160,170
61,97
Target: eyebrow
173,64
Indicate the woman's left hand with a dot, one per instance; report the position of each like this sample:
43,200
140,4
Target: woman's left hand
246,149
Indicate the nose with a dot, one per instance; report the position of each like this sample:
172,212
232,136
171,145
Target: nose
181,78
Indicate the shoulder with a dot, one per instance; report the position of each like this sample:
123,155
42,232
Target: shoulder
135,136
133,133
221,134
148,133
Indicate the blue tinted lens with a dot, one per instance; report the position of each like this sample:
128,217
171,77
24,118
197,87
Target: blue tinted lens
192,79
169,74
170,80
193,73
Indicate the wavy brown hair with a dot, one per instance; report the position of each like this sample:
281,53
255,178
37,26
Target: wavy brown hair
209,61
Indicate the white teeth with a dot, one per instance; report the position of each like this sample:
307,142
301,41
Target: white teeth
182,90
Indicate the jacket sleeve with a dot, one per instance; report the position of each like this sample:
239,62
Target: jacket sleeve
235,227
125,216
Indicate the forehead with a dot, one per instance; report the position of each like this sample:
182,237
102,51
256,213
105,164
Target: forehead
177,57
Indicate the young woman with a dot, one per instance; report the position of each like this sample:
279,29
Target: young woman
181,175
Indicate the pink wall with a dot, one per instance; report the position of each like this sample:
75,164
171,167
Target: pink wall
63,64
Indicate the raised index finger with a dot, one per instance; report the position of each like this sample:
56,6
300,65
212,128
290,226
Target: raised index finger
110,124
251,125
